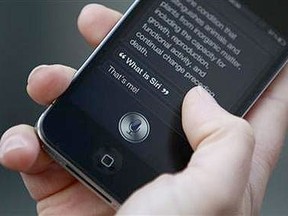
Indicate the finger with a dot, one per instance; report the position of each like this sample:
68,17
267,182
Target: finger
269,118
95,21
224,145
47,182
46,83
74,200
20,150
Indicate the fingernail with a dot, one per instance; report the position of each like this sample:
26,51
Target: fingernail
10,144
34,71
204,95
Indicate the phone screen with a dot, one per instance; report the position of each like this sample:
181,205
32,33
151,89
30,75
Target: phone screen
120,121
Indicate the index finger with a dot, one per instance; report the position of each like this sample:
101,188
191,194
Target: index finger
95,21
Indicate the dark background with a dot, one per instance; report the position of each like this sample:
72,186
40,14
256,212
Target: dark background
45,32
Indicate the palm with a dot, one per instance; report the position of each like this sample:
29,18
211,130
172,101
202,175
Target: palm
269,120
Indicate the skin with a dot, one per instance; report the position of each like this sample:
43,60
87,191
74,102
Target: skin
227,174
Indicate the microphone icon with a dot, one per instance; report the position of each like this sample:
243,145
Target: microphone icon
134,126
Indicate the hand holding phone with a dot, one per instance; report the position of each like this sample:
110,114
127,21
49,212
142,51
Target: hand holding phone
256,118
122,112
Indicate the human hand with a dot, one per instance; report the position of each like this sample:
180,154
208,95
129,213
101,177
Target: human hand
55,191
232,163
228,172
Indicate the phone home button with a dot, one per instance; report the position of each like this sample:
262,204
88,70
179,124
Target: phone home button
107,160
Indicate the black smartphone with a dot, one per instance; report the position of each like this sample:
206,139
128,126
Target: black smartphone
118,126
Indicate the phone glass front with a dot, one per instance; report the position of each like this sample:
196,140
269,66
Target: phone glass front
119,122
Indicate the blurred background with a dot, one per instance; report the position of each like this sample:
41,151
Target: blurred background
45,32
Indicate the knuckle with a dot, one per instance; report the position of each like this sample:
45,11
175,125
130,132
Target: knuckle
165,179
241,127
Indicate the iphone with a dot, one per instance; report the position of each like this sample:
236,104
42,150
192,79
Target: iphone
118,126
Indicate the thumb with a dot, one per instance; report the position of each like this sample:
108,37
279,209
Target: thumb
216,177
223,144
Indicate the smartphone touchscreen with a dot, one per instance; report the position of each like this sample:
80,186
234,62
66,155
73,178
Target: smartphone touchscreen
118,126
